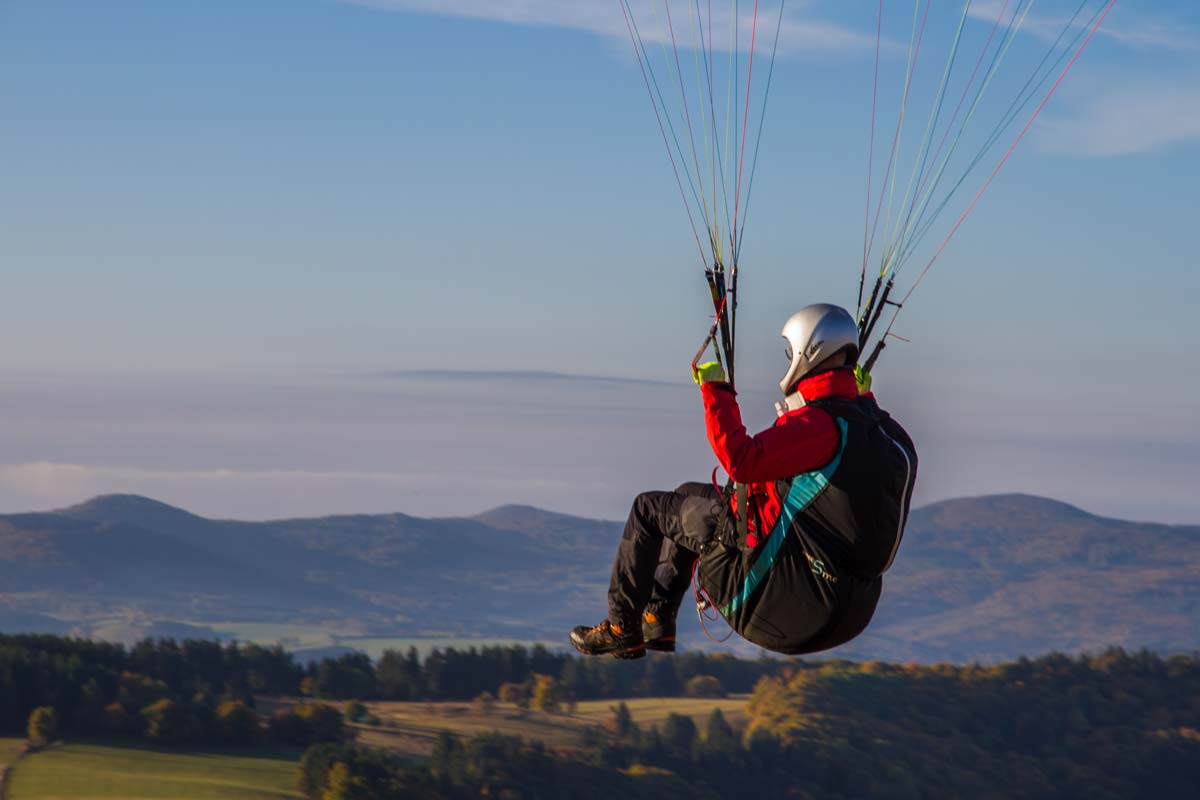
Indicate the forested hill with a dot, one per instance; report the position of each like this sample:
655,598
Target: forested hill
992,577
1108,726
976,579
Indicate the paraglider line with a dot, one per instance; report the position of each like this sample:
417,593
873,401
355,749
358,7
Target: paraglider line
926,138
871,155
730,104
705,139
966,89
1004,160
716,156
737,195
908,243
1021,101
761,121
678,180
704,603
899,126
696,184
888,251
687,113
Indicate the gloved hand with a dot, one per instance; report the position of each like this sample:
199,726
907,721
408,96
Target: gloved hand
863,379
710,372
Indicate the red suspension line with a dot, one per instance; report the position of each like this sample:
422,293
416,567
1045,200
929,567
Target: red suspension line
1062,76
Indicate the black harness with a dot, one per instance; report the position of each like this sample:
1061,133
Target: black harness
813,580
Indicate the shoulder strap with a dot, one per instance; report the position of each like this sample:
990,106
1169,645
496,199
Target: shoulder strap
860,411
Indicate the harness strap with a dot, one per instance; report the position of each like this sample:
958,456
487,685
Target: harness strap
743,512
724,535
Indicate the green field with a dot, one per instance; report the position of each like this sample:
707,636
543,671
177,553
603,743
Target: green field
411,728
135,772
648,711
9,751
85,771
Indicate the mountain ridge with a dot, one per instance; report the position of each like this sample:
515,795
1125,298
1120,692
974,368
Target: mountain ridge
1023,500
982,578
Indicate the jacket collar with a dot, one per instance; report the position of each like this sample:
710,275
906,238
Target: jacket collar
837,383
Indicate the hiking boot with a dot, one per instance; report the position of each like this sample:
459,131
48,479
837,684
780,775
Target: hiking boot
621,642
658,629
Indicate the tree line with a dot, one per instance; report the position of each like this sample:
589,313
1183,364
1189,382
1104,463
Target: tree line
82,679
1115,725
192,691
454,674
163,691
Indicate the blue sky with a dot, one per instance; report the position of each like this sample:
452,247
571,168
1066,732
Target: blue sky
265,194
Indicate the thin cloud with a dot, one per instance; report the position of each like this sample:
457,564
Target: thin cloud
1120,28
797,36
49,476
1130,118
47,484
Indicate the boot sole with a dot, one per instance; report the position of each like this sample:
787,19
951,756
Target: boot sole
661,645
626,655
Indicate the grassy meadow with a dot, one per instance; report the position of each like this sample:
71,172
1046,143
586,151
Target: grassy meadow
411,728
132,771
9,751
87,771
649,711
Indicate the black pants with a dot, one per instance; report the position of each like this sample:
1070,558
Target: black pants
658,548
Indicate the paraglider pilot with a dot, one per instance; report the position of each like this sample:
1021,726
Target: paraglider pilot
791,554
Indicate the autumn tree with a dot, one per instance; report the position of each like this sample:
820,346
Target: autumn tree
545,693
166,721
238,724
515,693
340,785
43,726
704,686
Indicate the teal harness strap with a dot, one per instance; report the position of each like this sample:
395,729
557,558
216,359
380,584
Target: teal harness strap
805,489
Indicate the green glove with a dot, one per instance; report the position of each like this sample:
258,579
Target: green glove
710,372
863,379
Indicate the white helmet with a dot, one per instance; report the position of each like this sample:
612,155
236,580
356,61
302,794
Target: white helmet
814,334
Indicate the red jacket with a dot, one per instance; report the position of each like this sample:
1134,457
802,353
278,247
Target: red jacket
800,441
